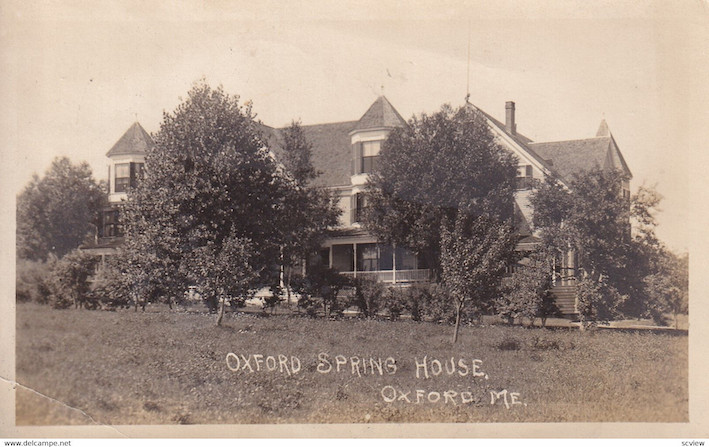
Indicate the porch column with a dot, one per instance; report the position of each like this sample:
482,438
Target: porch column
393,264
330,257
354,254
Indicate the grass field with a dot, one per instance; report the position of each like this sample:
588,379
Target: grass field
163,367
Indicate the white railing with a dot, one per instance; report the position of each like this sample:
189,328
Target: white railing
387,276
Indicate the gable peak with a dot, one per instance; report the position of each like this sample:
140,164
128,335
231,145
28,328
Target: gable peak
135,141
603,130
380,114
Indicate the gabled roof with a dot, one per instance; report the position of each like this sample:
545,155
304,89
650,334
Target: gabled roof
135,141
380,114
331,150
573,156
522,141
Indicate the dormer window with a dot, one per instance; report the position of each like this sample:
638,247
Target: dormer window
127,175
122,177
370,155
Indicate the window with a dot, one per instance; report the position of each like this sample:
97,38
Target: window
360,203
122,177
137,173
524,177
370,155
111,225
367,258
127,175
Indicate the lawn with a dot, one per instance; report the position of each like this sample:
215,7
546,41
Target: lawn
170,367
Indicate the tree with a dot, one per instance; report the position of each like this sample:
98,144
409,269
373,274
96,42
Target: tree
70,280
473,260
592,217
311,210
444,188
55,213
211,191
431,168
613,235
528,290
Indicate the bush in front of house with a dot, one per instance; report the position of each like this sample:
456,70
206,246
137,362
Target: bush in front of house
320,289
597,302
69,281
368,296
31,281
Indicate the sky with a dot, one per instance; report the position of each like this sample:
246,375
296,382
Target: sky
75,78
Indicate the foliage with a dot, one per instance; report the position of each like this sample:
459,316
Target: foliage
368,296
474,256
225,273
592,218
597,302
296,155
211,192
430,301
320,288
395,302
527,292
55,213
431,168
112,287
310,210
615,238
31,281
667,288
69,280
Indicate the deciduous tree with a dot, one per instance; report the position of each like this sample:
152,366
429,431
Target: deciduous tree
474,255
55,213
431,168
210,185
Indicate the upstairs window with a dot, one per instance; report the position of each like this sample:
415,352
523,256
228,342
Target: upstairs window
127,175
366,155
122,181
359,203
524,177
370,155
111,225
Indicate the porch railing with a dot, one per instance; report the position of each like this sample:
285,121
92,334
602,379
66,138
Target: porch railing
387,276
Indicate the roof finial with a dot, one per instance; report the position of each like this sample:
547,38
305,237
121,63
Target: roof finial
467,78
382,89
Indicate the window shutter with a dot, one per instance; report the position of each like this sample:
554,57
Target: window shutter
528,172
132,175
357,158
353,208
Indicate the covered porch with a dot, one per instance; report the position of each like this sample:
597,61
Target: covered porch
366,258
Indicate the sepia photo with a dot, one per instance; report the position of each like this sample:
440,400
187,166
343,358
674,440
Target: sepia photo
359,219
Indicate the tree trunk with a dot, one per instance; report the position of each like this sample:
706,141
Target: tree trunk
458,309
288,286
220,315
169,302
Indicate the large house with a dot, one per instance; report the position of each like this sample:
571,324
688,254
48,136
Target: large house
346,152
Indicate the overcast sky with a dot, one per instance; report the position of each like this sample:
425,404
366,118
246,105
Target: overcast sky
75,78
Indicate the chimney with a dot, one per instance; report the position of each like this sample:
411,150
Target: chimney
510,125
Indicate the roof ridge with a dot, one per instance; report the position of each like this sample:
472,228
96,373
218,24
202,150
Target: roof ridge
572,139
323,124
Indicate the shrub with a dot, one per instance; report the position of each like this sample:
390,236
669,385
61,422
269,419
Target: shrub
368,296
31,281
429,301
396,301
527,292
111,285
70,281
597,302
320,288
